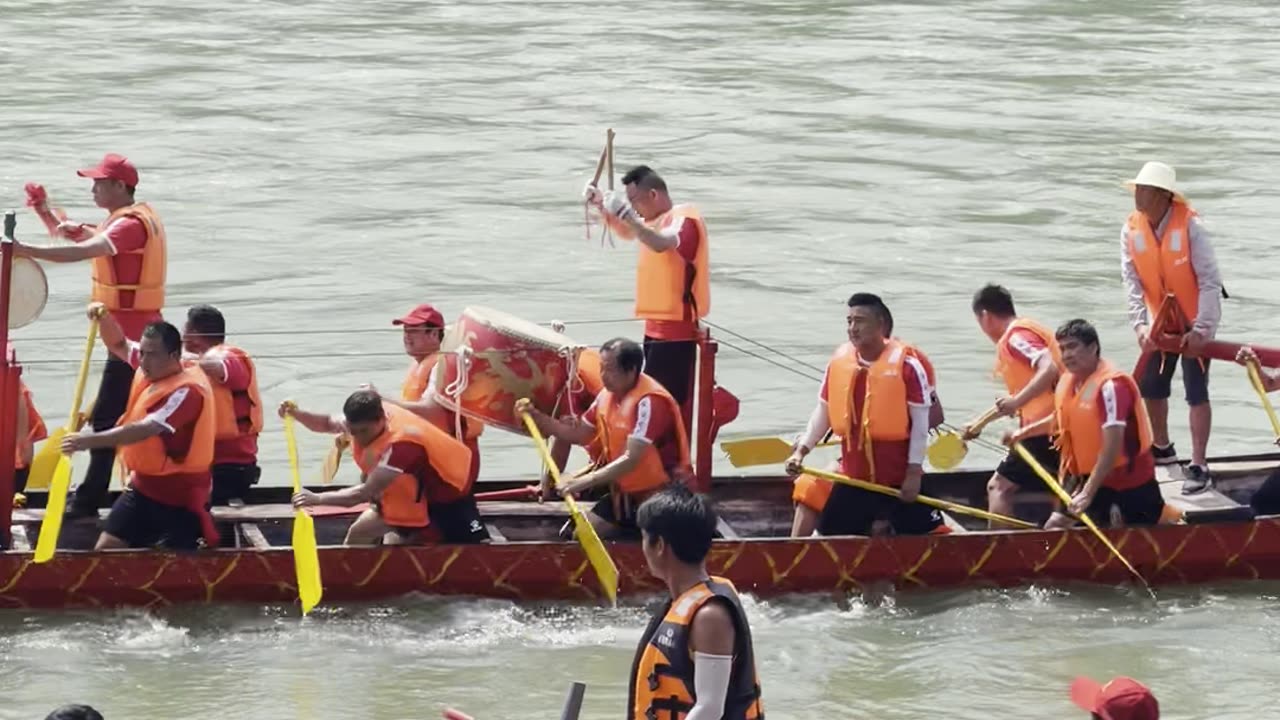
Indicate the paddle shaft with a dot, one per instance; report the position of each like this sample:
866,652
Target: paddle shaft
922,499
1058,490
1255,378
520,493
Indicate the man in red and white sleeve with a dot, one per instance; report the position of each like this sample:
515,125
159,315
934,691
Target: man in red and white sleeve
876,397
1104,435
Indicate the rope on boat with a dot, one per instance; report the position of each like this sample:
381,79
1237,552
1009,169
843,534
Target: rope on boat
773,350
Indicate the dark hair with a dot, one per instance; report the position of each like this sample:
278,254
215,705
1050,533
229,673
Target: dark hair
995,299
363,406
877,306
684,520
206,321
643,177
167,334
1080,330
74,712
129,189
628,353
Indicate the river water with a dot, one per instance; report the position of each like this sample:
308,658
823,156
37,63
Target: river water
323,166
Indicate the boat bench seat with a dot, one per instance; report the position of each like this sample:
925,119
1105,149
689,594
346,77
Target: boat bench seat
1202,507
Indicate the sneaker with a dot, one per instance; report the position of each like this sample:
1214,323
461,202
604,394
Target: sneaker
1195,479
1164,455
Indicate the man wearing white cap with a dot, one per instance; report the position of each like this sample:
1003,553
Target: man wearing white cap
1165,250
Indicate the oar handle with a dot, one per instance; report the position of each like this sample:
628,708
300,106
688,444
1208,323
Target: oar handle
1255,378
291,441
984,419
83,376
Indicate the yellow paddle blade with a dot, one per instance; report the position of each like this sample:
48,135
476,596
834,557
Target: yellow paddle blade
333,459
946,451
1256,380
588,538
756,451
44,462
51,527
306,558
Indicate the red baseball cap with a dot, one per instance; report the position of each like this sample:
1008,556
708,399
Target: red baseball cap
1121,699
113,167
424,314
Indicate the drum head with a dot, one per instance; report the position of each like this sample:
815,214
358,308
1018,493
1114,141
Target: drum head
28,293
505,324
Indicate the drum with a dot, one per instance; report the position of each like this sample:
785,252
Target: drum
490,359
28,292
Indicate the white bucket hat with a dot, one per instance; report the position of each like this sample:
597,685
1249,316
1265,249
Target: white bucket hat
1157,174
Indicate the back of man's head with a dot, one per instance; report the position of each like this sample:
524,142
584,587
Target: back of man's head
74,712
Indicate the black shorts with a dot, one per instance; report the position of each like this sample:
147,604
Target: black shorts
852,511
1156,382
1142,505
231,482
142,523
1016,470
671,363
1266,501
458,521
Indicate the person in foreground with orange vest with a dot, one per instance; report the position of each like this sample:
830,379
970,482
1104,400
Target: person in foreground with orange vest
642,438
1165,250
673,276
695,660
1104,437
876,396
234,380
1029,362
128,255
166,438
406,463
31,430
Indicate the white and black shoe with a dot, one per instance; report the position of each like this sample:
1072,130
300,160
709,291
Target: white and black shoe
1195,479
1164,455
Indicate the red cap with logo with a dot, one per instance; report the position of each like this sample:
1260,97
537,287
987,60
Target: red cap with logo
113,167
1121,699
424,314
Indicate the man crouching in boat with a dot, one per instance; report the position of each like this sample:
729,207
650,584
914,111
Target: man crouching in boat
1104,436
1029,362
876,395
643,440
695,659
405,462
166,439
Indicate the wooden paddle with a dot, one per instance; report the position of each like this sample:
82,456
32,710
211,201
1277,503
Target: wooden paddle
306,557
949,448
597,554
60,484
922,499
1057,489
334,458
50,459
1256,380
760,450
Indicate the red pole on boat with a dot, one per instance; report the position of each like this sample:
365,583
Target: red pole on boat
706,411
9,373
1169,325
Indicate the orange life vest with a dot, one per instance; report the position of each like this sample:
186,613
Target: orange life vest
615,418
1017,374
1164,264
667,287
148,293
592,385
884,414
1080,431
36,430
662,675
224,401
419,376
404,502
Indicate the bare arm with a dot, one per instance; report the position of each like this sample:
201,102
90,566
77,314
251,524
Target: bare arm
1045,378
113,338
368,491
213,366
26,448
124,435
712,639
96,246
569,429
630,458
1045,423
657,241
313,421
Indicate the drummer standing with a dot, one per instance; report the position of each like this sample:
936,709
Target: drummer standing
673,284
128,255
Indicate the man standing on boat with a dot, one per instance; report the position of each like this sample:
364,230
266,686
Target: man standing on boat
644,445
166,436
1104,435
413,473
128,255
695,659
233,377
1165,250
876,395
1029,362
673,282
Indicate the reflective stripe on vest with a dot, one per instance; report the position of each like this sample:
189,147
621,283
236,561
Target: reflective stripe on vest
231,424
667,287
1164,267
148,292
1078,424
1017,374
615,418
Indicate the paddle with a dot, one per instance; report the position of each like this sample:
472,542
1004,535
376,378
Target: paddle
333,458
922,499
50,457
760,450
306,558
949,448
60,485
1056,487
1256,380
528,492
606,570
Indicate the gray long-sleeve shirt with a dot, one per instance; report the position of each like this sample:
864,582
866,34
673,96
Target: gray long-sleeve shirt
1203,261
